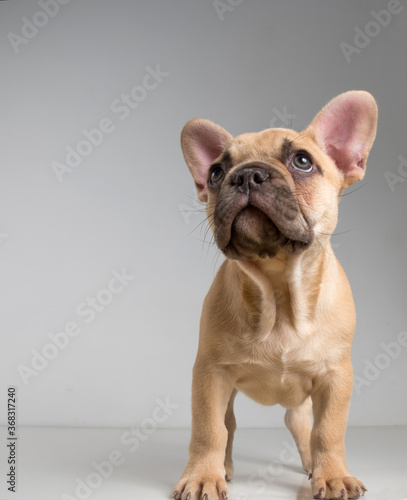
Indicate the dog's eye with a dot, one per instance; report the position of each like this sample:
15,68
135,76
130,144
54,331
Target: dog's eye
217,175
302,162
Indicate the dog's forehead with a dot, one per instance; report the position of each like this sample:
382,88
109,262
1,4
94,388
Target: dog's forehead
260,144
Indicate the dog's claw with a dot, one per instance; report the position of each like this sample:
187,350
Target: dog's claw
309,476
188,496
321,493
343,493
224,495
205,497
175,494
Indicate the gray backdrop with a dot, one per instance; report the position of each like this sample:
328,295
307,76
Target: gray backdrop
104,259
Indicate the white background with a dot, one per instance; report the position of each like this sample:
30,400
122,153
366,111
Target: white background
131,203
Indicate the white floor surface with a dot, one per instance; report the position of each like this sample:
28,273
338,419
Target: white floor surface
69,463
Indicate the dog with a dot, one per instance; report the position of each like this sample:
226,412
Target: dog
278,321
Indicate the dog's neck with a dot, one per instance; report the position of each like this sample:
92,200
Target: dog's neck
290,286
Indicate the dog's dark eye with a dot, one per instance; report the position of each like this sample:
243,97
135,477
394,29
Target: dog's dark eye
217,175
302,162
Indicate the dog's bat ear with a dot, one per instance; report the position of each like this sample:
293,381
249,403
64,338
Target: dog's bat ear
345,129
202,141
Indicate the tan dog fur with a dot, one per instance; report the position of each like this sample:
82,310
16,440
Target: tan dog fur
279,328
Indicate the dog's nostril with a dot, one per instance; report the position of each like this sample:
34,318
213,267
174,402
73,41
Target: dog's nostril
260,177
240,180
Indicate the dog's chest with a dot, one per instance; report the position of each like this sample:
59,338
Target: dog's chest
277,384
279,371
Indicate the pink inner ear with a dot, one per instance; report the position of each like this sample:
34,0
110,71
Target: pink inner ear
205,155
347,158
204,144
342,138
346,129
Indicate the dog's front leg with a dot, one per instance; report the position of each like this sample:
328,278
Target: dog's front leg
330,476
204,475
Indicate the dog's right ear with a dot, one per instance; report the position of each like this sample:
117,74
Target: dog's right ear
345,129
202,141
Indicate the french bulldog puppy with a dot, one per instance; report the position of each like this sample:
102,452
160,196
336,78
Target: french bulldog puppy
278,321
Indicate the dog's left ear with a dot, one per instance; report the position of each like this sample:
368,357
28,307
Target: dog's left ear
345,129
202,141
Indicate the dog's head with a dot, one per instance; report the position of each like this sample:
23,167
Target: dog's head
277,191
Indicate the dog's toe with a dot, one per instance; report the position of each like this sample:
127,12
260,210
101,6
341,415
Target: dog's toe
195,487
342,488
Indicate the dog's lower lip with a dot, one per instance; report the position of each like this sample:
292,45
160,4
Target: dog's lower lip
285,241
255,212
249,210
252,224
252,207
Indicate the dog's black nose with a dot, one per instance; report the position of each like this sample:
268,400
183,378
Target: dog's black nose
249,178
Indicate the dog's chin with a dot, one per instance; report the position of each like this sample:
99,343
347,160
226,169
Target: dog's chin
254,235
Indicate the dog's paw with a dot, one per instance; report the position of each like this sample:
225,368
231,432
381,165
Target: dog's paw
341,488
201,486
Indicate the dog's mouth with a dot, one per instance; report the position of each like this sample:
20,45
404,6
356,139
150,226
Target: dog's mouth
254,234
